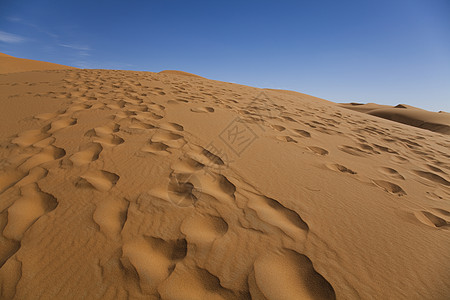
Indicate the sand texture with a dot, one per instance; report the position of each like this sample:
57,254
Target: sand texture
10,64
139,185
406,114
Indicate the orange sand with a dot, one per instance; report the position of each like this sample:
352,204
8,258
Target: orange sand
121,184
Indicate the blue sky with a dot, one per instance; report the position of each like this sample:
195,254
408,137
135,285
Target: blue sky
388,52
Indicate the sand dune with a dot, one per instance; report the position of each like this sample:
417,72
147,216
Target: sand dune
406,114
175,72
140,185
10,64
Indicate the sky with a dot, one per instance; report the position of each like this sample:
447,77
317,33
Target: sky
384,51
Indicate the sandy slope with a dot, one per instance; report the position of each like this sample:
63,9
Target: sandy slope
117,184
406,114
10,64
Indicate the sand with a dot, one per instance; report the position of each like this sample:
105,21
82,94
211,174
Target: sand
10,64
406,114
140,185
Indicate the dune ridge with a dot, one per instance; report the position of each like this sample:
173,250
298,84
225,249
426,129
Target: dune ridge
182,73
11,64
406,114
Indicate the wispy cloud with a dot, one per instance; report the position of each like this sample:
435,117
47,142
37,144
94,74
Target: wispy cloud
79,50
76,47
36,27
10,37
14,19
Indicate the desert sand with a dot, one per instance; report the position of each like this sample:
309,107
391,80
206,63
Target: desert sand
406,114
141,185
10,64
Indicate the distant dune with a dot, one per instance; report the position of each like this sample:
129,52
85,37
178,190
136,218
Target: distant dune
175,72
140,185
406,114
10,64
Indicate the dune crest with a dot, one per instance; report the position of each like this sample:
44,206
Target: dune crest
175,72
406,114
11,64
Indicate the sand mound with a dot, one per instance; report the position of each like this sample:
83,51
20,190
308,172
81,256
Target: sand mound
361,107
406,114
5,55
175,72
138,185
10,64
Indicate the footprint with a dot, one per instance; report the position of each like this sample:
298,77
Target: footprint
215,185
77,107
340,168
61,123
318,150
278,127
286,138
30,137
442,212
116,105
155,106
7,247
110,214
8,178
50,153
194,283
303,133
203,229
171,139
45,142
432,177
272,212
137,124
109,140
435,169
177,101
289,275
32,204
205,157
287,118
390,187
46,116
98,179
10,275
88,153
198,184
156,148
186,165
206,109
183,189
137,108
352,150
104,136
390,172
103,130
171,126
33,176
385,149
399,159
431,219
155,116
368,148
153,259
